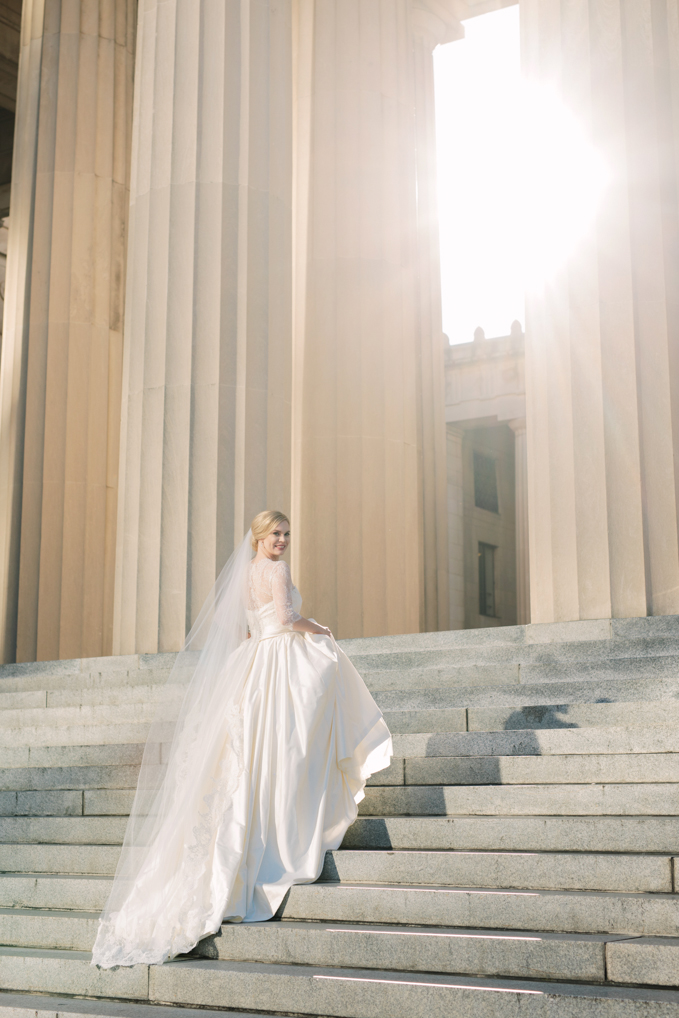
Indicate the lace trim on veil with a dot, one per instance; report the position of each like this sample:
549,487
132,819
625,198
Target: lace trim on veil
161,898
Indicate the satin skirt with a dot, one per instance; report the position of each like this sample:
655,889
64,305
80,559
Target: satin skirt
287,746
312,736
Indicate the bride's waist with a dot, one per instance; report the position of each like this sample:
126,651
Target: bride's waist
270,634
264,625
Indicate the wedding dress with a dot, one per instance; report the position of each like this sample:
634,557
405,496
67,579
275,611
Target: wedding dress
262,776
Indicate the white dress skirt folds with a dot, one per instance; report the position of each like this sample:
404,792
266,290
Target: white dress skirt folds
277,762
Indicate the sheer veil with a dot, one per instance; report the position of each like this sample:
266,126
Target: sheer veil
195,740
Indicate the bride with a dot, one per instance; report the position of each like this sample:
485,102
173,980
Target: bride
253,768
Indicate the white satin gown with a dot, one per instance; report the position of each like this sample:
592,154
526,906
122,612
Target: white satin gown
310,737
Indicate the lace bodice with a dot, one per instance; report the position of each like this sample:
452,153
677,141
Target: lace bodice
270,581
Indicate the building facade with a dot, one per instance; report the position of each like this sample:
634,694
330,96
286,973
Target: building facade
222,294
488,574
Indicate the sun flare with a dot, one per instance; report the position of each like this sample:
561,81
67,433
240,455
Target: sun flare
519,180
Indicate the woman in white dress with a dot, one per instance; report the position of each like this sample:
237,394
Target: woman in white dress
252,771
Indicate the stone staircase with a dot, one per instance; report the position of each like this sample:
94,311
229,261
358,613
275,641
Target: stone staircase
520,858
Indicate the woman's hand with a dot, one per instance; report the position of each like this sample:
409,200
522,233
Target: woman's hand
303,625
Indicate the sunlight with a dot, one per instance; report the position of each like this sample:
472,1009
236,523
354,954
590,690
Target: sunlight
519,182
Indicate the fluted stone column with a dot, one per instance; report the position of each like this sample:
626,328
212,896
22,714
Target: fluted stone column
368,510
432,24
60,373
206,394
518,426
602,340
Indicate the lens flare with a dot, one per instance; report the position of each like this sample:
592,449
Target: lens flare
519,179
560,177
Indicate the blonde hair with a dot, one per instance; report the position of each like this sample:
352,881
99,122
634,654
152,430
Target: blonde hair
264,523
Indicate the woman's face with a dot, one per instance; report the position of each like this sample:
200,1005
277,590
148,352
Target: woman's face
275,543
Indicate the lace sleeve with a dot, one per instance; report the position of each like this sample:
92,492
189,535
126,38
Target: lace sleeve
281,592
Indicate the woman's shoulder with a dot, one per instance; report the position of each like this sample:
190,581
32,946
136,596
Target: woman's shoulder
271,566
281,567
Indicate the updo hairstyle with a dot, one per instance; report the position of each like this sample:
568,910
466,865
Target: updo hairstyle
264,523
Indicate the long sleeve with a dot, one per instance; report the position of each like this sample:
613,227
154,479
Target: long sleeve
281,592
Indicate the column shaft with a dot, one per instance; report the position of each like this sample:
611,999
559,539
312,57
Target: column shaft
62,344
428,30
602,346
369,451
206,396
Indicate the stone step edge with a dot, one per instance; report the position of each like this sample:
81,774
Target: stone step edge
183,968
516,942
56,1006
44,735
287,943
22,754
388,886
519,891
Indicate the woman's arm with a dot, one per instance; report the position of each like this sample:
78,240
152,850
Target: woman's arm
302,625
281,592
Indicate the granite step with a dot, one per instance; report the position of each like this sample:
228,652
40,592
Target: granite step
408,715
418,770
399,691
362,993
27,1005
79,673
36,970
517,696
429,651
72,756
67,803
481,907
119,704
48,929
108,830
523,954
548,635
93,715
24,779
586,715
84,893
528,870
626,834
519,954
417,949
661,799
315,990
627,768
645,834
538,742
104,695
519,742
524,694
430,654
85,734
646,961
87,859
451,674
651,798
426,713
548,870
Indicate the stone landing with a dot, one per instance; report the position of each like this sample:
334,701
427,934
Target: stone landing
519,859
